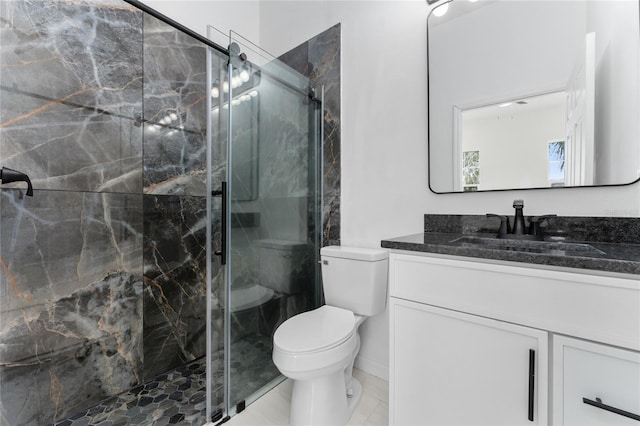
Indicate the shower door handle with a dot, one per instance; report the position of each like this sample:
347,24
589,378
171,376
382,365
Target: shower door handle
222,192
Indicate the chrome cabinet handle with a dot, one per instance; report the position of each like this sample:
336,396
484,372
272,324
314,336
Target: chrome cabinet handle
598,404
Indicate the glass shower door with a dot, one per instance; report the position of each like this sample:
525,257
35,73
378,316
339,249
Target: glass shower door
273,223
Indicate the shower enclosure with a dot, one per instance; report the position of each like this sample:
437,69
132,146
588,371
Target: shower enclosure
174,222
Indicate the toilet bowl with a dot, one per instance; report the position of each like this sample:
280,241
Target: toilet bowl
315,342
317,349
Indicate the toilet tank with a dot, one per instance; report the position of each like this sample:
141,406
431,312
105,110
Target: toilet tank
282,265
355,278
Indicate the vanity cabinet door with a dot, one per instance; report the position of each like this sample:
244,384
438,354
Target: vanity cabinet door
450,368
594,384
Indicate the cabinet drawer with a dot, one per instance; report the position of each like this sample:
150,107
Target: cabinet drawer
562,302
586,373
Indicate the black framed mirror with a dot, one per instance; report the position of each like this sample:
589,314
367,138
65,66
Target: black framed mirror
533,94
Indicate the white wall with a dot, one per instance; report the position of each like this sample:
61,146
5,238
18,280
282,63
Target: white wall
513,145
384,133
617,103
384,124
241,16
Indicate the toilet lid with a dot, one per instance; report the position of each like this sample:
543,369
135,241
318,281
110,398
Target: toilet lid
315,330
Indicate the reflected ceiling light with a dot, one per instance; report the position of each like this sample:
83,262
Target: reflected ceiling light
473,1
506,104
441,10
244,74
235,79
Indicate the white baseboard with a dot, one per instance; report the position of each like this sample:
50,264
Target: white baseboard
372,367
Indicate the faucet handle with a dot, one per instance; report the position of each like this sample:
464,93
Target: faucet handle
534,223
505,228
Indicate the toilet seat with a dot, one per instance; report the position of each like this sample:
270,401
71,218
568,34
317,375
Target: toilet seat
315,331
315,343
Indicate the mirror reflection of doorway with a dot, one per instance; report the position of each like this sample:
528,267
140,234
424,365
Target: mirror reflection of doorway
512,136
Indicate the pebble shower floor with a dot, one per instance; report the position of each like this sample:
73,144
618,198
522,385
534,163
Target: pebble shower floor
174,398
179,396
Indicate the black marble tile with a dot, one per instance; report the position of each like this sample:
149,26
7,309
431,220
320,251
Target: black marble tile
175,284
319,60
175,99
70,90
72,314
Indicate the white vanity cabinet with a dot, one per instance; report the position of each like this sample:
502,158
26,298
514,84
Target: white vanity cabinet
594,384
462,332
451,368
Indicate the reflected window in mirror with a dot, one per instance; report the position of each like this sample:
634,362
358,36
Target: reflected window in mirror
555,151
471,170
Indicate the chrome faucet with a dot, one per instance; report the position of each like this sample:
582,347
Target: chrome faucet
519,231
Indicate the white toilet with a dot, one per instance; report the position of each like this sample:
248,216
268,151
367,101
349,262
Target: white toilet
316,349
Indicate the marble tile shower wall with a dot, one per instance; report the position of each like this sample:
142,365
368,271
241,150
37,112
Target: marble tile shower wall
284,201
283,204
319,59
175,75
102,271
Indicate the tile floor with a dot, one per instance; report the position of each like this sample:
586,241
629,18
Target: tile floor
178,397
273,408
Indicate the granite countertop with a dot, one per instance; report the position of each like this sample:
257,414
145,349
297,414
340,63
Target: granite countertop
615,257
622,256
